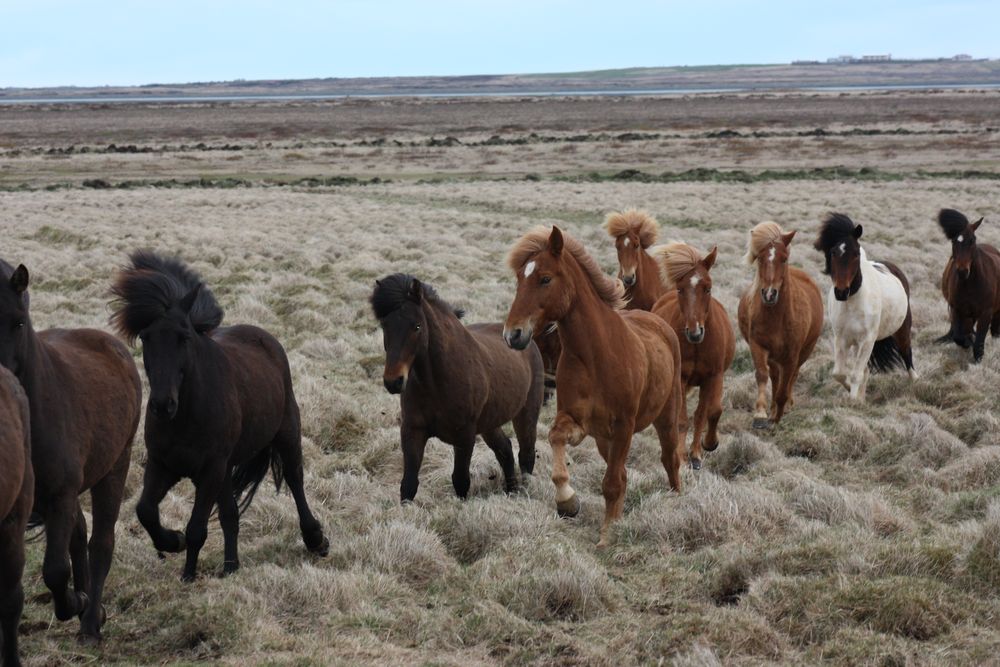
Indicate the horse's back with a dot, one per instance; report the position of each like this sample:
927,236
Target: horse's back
259,366
15,442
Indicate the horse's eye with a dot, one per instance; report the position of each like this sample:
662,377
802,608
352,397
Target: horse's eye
416,326
19,324
708,290
545,280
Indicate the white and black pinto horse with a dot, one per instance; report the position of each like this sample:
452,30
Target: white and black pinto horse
869,308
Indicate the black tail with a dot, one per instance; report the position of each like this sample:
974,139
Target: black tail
248,476
885,356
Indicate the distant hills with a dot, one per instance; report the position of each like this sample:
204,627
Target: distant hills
715,77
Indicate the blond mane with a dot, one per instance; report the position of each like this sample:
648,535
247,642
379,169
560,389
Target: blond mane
760,236
675,259
618,223
612,292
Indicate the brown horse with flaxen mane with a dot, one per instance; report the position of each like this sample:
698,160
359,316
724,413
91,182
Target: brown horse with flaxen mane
84,396
634,233
708,344
780,316
618,373
17,485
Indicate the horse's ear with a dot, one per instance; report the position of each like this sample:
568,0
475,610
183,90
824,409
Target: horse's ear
787,237
416,291
378,283
976,224
19,279
556,241
709,260
188,301
857,232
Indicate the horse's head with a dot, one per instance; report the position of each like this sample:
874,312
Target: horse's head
398,304
772,268
14,321
544,292
633,232
694,296
838,241
166,353
962,235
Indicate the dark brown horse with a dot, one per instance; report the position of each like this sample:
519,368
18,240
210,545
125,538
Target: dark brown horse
634,232
84,395
971,284
618,373
221,408
454,382
17,485
705,334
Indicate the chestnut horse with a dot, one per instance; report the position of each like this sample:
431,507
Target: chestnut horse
619,371
780,316
84,396
868,306
16,490
706,337
221,408
634,232
454,382
971,284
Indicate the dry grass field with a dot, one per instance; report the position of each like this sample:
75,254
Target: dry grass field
852,534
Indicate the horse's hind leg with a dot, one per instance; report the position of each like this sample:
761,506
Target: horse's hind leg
78,554
60,519
671,446
289,448
500,444
979,346
460,471
229,520
565,431
905,344
613,487
711,397
526,429
760,365
106,501
11,589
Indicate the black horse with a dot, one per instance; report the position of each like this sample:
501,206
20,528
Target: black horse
221,408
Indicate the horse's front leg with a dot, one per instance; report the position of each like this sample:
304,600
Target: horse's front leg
463,459
982,328
156,482
841,360
858,377
206,492
413,440
565,431
762,375
615,452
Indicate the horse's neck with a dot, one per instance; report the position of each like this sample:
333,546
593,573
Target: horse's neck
203,374
647,280
588,325
445,334
35,369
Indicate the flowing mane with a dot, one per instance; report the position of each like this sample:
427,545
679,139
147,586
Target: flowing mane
675,259
151,286
952,222
617,223
612,292
393,291
835,229
760,236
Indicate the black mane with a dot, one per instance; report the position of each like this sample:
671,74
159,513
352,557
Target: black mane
393,291
836,228
952,222
151,286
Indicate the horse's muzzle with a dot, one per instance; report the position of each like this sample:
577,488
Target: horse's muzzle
395,385
769,296
695,336
841,294
164,408
517,339
628,281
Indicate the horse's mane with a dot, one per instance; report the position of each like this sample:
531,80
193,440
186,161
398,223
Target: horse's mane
617,223
393,291
151,286
836,228
760,236
612,292
952,222
675,259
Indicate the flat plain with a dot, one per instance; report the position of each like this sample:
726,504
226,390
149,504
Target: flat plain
854,533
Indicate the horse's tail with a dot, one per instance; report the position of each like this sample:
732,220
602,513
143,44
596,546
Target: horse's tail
248,476
885,356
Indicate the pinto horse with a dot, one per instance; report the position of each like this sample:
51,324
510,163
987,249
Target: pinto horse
221,408
780,316
706,337
634,232
84,396
868,306
16,490
454,382
971,284
618,373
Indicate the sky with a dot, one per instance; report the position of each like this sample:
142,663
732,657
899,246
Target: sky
98,42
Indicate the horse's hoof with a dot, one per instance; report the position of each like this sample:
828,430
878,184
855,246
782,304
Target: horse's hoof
710,446
321,549
188,578
229,568
87,640
568,508
695,464
761,423
181,542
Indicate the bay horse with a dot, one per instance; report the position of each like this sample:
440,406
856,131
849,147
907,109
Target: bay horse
17,487
780,316
454,383
634,233
618,373
707,341
868,306
970,284
84,397
221,409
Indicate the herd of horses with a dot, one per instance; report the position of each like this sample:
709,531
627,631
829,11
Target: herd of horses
624,354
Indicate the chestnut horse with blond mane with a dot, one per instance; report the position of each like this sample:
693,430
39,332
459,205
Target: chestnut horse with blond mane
618,373
634,232
706,337
781,316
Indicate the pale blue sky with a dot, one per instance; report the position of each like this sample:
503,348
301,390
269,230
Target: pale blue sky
55,42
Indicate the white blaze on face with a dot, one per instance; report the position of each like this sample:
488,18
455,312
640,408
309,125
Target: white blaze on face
841,249
628,242
771,255
695,279
961,237
529,268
